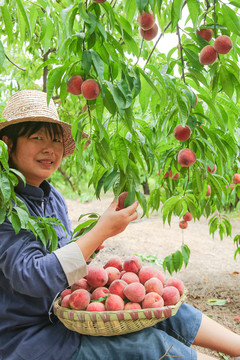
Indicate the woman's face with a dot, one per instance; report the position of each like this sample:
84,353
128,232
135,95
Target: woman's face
36,156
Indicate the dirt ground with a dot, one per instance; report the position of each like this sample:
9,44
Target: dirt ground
212,272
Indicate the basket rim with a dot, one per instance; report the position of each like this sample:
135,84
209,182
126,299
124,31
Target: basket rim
57,306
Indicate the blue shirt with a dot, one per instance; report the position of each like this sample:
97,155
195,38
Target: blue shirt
30,279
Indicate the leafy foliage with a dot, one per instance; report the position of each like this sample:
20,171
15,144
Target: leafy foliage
146,91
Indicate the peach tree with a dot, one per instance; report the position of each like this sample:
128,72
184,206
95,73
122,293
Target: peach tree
141,95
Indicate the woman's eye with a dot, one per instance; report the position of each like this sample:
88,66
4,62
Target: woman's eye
57,140
37,137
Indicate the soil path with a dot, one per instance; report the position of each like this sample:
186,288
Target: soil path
212,271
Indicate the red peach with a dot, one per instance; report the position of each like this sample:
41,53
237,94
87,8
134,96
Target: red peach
146,20
135,292
170,295
132,263
186,157
160,276
97,276
65,301
183,224
188,216
223,44
90,89
130,277
80,284
146,273
182,133
74,85
151,299
231,186
154,285
208,55
212,171
95,306
79,299
205,34
99,292
236,178
114,261
114,303
149,34
65,292
177,283
132,306
117,287
113,274
175,177
208,193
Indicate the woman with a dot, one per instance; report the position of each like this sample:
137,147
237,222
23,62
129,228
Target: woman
31,276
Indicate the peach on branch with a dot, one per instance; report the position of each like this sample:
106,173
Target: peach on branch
114,303
170,295
149,34
114,261
175,177
135,292
214,168
95,306
146,20
177,283
223,44
205,34
154,285
188,216
186,157
208,193
208,55
132,263
152,300
90,89
79,299
117,287
236,178
74,85
182,133
183,224
97,276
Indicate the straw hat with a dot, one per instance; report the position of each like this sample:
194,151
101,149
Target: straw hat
31,105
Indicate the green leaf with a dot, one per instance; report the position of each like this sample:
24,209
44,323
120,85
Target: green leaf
231,20
7,22
5,187
25,16
98,64
194,10
216,302
121,152
86,61
141,5
54,80
186,254
176,12
2,54
226,81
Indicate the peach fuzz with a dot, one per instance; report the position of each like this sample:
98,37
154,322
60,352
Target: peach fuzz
160,276
113,274
186,157
95,306
146,20
154,285
223,44
170,295
132,306
80,284
208,55
130,277
65,292
99,292
117,287
135,292
133,264
90,89
177,283
151,299
114,261
65,301
79,299
146,273
97,276
74,85
182,133
114,303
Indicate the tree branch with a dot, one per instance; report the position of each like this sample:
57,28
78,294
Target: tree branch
14,63
181,52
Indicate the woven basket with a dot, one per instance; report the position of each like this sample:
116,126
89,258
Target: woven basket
109,323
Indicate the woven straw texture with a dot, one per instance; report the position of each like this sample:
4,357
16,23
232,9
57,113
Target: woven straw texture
110,323
31,105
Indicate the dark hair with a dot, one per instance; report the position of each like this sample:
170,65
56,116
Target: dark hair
27,128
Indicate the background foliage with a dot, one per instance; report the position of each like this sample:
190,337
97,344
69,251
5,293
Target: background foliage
145,92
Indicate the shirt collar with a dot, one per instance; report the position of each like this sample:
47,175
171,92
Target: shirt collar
34,191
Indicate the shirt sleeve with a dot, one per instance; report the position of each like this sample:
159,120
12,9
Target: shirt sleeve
72,262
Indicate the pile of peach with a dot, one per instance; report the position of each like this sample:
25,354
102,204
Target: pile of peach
123,285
